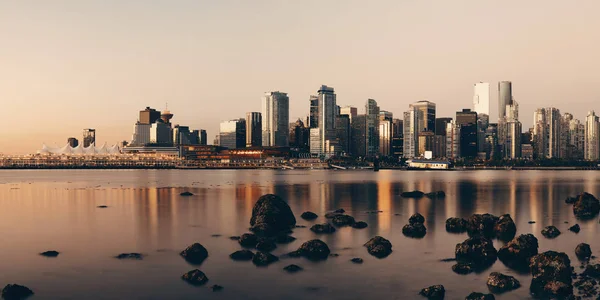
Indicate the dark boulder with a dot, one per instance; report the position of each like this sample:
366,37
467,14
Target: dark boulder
242,255
339,211
416,218
438,194
480,296
434,292
550,232
343,220
571,200
505,228
265,245
234,238
284,239
334,213
322,228
248,240
477,251
500,283
271,215
186,193
516,253
308,215
592,270
16,292
195,254
575,228
50,253
583,251
262,259
462,268
137,256
531,222
379,247
413,194
414,230
456,225
292,268
102,206
313,250
195,277
551,275
586,206
357,260
360,225
481,224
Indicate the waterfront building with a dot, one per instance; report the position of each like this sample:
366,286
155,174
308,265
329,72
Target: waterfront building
253,129
592,137
425,115
141,134
160,134
547,133
73,142
385,133
372,118
351,111
397,138
513,130
467,120
411,135
194,137
299,136
232,134
181,135
343,130
359,135
481,98
203,138
275,119
526,151
426,142
323,137
314,112
89,137
505,97
453,140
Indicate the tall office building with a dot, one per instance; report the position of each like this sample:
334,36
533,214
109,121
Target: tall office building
253,129
481,98
203,138
440,125
411,134
359,136
372,114
576,140
540,134
554,130
453,140
275,119
467,120
343,129
149,116
73,142
232,134
182,135
513,130
385,132
397,138
592,137
426,115
505,97
547,124
313,117
351,111
195,137
160,134
89,137
299,136
323,137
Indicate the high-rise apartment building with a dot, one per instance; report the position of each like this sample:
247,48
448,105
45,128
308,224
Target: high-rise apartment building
232,134
323,138
299,136
313,118
411,133
385,132
89,137
513,131
592,137
275,119
359,135
253,129
467,120
372,138
397,138
350,111
481,98
505,97
547,124
453,140
426,115
343,130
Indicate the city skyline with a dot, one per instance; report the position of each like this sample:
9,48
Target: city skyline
101,72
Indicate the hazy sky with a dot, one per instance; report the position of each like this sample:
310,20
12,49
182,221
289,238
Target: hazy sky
69,65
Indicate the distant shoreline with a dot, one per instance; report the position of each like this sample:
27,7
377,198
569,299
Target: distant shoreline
329,169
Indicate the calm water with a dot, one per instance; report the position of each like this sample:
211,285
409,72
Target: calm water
56,210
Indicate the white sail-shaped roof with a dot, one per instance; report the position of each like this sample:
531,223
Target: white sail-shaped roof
80,150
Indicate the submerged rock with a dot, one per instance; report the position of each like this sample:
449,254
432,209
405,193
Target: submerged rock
322,228
334,213
551,275
516,253
583,251
505,228
462,268
102,206
248,240
499,283
481,224
195,254
195,277
216,288
308,215
379,247
434,292
186,193
586,206
416,218
456,225
242,255
575,228
438,194
480,296
262,259
360,225
130,256
313,250
550,232
265,245
50,253
414,230
357,260
292,268
477,251
16,292
343,220
413,194
271,215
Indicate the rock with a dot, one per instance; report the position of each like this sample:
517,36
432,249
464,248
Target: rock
586,206
343,220
266,245
186,194
308,215
357,260
242,255
195,277
505,228
481,224
583,251
216,288
16,292
416,218
516,253
284,239
313,250
462,268
195,254
434,292
592,271
531,222
480,296
262,259
248,240
102,206
271,215
477,251
586,287
339,211
216,235
575,228
293,268
322,228
570,200
449,259
379,247
547,270
500,283
50,253
234,238
550,232
456,225
130,256
413,194
334,213
360,225
415,230
438,194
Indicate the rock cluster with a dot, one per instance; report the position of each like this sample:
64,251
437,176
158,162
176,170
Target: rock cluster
415,227
551,275
499,283
478,252
456,225
517,252
434,292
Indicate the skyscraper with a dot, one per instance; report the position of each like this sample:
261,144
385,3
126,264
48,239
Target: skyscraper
181,135
203,138
397,138
275,119
467,120
313,118
547,124
232,134
385,132
411,134
540,134
452,140
592,137
253,129
481,98
504,97
149,115
350,111
89,137
372,114
513,130
426,115
359,135
554,130
160,133
342,128
299,136
323,137
73,142
440,125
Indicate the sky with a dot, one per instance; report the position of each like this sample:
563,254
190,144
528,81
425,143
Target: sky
69,65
